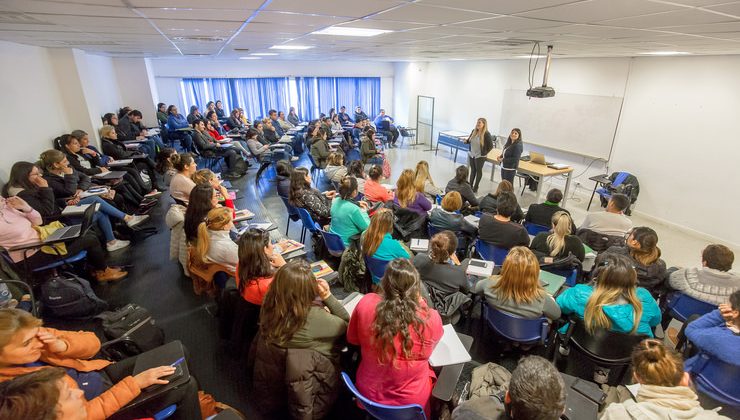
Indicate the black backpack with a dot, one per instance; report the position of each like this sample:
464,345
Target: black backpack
133,328
70,296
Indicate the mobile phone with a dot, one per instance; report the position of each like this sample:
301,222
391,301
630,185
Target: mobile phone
477,263
589,391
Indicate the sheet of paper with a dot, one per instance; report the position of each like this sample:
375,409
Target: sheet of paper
449,350
350,306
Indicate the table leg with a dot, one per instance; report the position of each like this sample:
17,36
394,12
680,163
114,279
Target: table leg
538,194
456,150
596,185
493,170
567,187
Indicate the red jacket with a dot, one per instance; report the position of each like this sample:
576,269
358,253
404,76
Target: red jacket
401,381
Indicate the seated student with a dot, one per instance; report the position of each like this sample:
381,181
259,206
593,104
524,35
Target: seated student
717,333
164,165
665,392
369,153
235,122
377,241
267,152
712,282
43,394
207,145
320,149
374,191
213,243
258,261
181,184
517,290
615,302
206,176
489,202
177,128
642,248
303,196
448,217
424,183
440,268
130,128
460,184
357,172
359,114
194,114
284,124
394,369
284,169
113,147
203,199
344,118
293,117
611,221
26,346
275,123
162,113
348,217
535,391
558,243
498,229
214,130
407,197
541,214
335,169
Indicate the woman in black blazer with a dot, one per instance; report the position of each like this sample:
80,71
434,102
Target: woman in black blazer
509,157
481,142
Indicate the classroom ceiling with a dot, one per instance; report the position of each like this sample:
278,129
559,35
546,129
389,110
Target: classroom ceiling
427,30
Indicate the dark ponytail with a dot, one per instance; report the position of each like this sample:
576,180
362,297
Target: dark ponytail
347,187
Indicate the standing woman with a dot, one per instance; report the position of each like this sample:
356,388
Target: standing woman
396,332
509,157
481,143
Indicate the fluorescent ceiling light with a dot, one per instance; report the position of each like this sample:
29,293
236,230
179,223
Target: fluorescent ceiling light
532,56
457,59
250,58
264,54
666,53
348,31
290,47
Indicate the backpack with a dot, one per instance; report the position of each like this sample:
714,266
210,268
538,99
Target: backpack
70,296
240,166
136,325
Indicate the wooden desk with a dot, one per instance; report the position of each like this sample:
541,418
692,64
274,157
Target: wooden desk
536,170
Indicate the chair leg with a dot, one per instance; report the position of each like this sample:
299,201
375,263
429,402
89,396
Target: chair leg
287,227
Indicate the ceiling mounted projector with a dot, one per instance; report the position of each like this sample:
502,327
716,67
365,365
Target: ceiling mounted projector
543,91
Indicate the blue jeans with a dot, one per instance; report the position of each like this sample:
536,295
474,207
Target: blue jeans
102,217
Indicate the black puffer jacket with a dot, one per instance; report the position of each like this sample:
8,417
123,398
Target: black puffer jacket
651,276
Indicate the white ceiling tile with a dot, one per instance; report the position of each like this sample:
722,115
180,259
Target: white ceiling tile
705,28
82,21
63,8
199,4
729,8
693,3
598,10
498,6
430,14
510,23
680,17
197,14
289,18
383,24
347,8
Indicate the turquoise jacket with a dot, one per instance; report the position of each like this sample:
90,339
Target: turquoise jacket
347,219
573,301
390,249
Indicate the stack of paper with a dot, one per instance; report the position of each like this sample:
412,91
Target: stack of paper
449,350
290,245
420,245
351,301
243,215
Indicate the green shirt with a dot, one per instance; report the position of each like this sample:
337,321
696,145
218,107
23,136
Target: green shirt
322,330
348,219
162,117
390,249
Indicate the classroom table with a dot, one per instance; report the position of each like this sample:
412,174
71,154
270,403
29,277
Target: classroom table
536,170
598,180
449,375
454,140
577,406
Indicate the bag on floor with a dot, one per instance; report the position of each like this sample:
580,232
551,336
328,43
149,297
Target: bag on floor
386,169
135,325
240,166
70,296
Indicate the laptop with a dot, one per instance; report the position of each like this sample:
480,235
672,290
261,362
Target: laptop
535,157
73,231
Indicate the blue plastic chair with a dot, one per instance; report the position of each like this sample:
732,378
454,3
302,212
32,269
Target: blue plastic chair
514,328
308,223
533,228
681,306
383,411
334,243
292,213
376,267
166,413
491,252
66,261
717,379
618,180
315,168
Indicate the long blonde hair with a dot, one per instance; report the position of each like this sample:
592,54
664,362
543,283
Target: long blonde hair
422,175
405,191
520,277
380,224
216,220
482,133
616,279
561,227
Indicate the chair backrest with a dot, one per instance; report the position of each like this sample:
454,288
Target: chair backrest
382,411
717,379
604,346
334,243
307,221
682,306
491,252
376,268
620,178
313,162
292,210
515,328
533,228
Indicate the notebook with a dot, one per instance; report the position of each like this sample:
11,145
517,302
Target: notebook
420,245
449,350
480,268
78,209
320,269
290,245
243,214
110,175
122,162
94,191
351,301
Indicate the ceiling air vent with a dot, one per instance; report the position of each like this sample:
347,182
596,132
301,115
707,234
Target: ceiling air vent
199,38
241,49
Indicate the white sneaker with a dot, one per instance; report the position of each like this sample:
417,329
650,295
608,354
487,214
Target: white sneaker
294,158
135,220
153,194
116,245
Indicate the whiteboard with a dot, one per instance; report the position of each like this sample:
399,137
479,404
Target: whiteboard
580,124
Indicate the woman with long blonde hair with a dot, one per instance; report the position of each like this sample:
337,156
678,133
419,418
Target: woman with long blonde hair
517,290
213,244
423,182
377,241
408,197
481,142
558,243
615,303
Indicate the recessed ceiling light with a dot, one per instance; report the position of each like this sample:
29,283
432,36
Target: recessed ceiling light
264,54
175,8
290,47
348,31
530,56
250,58
666,53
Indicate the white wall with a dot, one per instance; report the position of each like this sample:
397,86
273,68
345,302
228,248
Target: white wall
670,103
137,87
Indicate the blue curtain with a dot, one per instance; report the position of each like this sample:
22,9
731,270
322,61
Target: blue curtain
306,102
327,94
367,94
195,94
256,96
346,94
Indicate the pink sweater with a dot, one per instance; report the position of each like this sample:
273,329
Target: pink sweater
16,228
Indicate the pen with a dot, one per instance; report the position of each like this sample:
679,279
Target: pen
178,361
